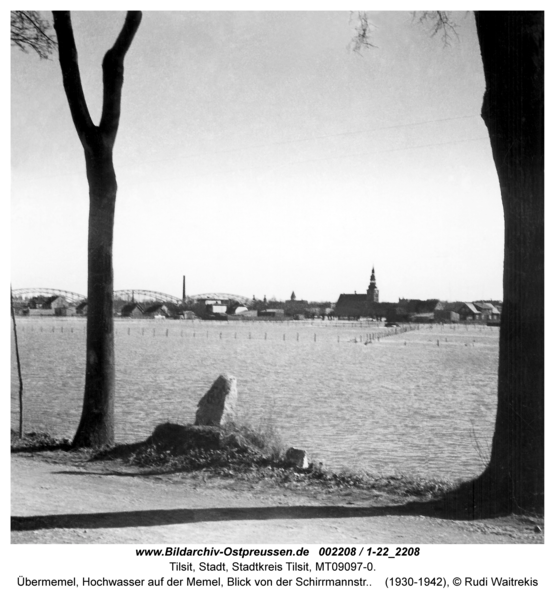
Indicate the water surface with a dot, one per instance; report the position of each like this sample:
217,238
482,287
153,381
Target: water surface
403,404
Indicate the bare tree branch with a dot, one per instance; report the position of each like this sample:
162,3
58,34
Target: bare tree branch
112,69
363,31
29,30
438,21
69,64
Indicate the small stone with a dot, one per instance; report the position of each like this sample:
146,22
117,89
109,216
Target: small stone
297,458
537,529
217,406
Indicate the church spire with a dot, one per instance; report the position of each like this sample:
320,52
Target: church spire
373,293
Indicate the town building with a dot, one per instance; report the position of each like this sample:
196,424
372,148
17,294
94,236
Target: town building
468,312
488,311
417,311
51,306
356,306
82,308
156,311
372,292
271,313
294,307
213,306
449,313
134,310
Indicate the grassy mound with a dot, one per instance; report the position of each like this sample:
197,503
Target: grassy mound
246,452
223,450
239,451
37,442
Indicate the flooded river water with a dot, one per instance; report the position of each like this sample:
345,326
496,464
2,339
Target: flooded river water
416,402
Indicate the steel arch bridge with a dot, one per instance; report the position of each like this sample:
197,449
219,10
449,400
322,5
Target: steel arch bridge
150,296
127,295
146,296
220,296
48,292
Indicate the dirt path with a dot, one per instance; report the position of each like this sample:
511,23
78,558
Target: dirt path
94,503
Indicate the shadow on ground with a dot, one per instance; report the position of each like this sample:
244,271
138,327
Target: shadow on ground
157,518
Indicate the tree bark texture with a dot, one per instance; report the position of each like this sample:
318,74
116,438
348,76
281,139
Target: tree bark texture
96,428
512,47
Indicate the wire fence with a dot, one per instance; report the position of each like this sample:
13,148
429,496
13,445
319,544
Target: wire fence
366,332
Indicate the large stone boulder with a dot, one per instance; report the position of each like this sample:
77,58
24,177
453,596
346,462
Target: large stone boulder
217,406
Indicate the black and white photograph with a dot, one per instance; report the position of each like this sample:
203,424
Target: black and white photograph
277,278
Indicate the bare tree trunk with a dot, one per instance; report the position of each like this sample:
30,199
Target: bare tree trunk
96,428
513,110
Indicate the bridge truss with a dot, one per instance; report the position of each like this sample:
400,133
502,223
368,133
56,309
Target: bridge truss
127,295
145,296
26,293
220,296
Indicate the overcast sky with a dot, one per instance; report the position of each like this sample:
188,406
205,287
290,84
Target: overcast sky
258,155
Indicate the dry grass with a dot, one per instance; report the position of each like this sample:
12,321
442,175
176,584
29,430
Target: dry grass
248,453
37,441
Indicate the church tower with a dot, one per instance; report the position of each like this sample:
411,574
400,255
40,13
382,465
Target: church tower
373,294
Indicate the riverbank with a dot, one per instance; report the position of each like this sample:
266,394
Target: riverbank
65,497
